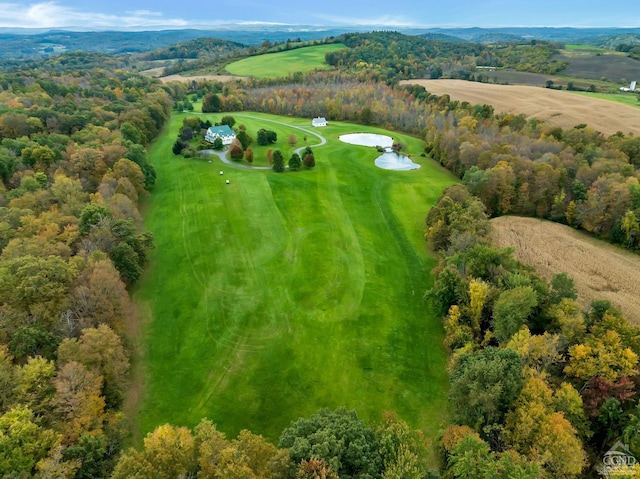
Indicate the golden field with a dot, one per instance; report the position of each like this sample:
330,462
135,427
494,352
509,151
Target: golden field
560,108
599,269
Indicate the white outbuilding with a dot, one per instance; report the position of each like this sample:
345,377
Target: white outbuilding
319,121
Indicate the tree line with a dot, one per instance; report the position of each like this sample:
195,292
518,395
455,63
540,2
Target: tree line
330,444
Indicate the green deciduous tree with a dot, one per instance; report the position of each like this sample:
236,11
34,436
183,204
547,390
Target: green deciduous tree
295,162
266,137
403,450
211,103
244,139
228,120
36,285
340,438
483,386
472,457
511,310
22,442
91,215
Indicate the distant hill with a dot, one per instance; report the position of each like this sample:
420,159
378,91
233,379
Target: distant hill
612,41
554,34
28,44
209,48
21,44
441,37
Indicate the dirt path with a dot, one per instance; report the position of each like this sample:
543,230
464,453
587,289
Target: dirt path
556,107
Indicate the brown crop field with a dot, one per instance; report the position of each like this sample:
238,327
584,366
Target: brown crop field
599,269
556,107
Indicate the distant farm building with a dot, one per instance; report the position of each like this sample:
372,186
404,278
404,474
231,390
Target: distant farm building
632,87
319,121
226,134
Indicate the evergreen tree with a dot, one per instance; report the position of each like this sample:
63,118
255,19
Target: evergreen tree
295,162
278,161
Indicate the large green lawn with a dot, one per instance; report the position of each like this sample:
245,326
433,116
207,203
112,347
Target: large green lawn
278,294
282,64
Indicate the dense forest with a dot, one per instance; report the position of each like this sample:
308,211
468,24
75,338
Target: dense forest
396,56
73,167
538,388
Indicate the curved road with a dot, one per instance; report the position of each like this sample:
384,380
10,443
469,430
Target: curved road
223,157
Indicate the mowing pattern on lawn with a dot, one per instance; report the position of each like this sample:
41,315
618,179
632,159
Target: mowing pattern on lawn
282,64
278,294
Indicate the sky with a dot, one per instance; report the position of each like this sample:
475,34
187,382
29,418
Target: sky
106,14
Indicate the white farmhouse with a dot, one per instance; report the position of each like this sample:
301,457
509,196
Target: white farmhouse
226,134
319,121
632,87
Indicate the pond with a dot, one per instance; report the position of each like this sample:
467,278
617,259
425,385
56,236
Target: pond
393,161
367,139
389,160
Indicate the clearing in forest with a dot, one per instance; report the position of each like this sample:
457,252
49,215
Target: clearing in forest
556,107
600,270
278,294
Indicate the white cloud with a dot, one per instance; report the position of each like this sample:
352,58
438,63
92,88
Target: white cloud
384,20
144,13
53,15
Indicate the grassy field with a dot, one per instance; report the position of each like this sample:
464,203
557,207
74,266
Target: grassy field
278,294
630,99
282,64
586,49
610,273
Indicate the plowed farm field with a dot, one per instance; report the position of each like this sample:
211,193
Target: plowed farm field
561,108
599,269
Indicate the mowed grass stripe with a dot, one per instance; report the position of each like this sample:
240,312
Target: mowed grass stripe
279,294
282,64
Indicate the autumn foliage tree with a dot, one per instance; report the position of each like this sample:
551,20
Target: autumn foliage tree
70,232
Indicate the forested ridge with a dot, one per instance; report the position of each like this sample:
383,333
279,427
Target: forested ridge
209,48
392,56
538,387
